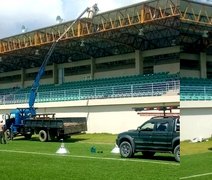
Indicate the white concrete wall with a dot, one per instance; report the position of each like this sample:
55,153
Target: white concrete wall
196,119
103,115
190,73
79,77
10,85
173,68
115,73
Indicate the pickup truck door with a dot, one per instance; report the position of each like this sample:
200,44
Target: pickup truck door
162,135
144,138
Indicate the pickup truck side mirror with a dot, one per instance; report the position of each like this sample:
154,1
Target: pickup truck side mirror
139,128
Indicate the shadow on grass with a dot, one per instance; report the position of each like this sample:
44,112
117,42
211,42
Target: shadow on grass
156,158
210,149
69,140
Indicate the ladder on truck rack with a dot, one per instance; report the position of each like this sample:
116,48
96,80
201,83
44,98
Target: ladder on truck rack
160,111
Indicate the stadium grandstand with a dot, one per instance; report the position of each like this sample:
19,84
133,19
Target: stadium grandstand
120,60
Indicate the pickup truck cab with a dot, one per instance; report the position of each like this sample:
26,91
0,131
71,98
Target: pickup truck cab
159,134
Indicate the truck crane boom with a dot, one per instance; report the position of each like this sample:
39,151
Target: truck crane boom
33,92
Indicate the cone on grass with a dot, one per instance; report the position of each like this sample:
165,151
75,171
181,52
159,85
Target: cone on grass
62,149
116,149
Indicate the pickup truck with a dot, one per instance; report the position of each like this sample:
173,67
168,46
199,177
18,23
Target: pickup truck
159,134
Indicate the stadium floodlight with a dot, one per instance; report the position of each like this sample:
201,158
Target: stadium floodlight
141,32
70,59
82,44
59,20
37,52
32,65
116,51
93,11
173,42
205,34
23,29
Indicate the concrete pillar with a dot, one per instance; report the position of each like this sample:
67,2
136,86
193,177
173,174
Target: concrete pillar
55,73
60,75
139,62
93,67
203,65
22,78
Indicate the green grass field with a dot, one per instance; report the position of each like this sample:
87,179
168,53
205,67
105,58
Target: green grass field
196,159
22,159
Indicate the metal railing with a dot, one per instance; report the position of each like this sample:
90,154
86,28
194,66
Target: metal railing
196,92
118,91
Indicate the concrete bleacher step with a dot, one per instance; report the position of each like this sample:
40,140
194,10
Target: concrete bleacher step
171,93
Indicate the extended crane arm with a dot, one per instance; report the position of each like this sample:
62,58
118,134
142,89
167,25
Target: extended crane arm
33,92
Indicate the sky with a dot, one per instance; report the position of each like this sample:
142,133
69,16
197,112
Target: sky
35,14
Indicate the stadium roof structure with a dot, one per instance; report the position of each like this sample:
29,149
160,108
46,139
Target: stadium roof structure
144,26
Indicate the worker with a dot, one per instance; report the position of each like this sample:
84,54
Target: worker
2,133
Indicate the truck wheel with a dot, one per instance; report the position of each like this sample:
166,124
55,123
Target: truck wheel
43,135
126,149
177,153
148,154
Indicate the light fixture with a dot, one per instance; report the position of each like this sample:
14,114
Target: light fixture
37,52
69,59
93,11
141,32
32,65
82,44
173,42
23,29
205,34
115,51
59,20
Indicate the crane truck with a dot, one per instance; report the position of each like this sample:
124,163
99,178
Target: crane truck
26,122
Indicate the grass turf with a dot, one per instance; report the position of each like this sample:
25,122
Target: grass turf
196,159
80,163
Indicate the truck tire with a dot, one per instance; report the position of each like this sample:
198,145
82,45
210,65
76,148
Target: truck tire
43,135
126,150
177,153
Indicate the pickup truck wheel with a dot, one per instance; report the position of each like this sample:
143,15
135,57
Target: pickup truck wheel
43,135
177,153
148,154
126,150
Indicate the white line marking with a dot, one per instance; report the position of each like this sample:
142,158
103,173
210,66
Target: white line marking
90,157
197,175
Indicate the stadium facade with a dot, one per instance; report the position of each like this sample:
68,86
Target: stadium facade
152,54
